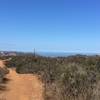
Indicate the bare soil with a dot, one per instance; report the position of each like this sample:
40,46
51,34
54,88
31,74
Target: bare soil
21,86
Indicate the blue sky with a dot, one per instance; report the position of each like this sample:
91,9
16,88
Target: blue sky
50,25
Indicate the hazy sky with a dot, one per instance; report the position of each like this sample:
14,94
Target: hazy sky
50,25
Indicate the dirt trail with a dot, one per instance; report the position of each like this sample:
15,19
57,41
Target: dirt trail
22,87
2,65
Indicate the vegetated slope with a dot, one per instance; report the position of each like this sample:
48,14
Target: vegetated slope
22,87
66,78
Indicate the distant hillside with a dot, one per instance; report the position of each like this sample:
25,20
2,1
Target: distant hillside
14,53
6,53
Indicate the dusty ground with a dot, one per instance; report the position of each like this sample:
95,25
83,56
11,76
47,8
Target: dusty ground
22,87
2,64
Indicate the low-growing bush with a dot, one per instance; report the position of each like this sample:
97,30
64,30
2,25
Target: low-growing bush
3,72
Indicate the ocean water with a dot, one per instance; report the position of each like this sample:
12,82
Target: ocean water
61,54
55,54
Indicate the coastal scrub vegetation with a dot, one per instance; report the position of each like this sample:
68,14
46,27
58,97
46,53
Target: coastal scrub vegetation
65,78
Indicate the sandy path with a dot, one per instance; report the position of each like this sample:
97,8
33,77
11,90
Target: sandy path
2,64
22,87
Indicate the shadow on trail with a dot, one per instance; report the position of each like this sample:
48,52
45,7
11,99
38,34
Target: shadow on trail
3,88
6,80
3,84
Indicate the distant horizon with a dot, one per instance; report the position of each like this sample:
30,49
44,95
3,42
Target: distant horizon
52,54
70,52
